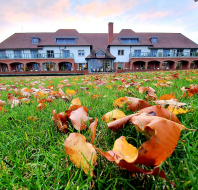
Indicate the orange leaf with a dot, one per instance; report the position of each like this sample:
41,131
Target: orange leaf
151,95
77,148
167,97
71,92
160,112
60,121
2,109
2,103
32,118
76,101
41,106
79,118
124,155
134,104
92,129
164,138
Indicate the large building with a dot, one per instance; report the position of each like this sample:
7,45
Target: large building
68,50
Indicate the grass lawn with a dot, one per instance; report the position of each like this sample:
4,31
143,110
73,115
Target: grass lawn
32,154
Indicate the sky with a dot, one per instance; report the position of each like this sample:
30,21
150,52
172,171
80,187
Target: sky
90,16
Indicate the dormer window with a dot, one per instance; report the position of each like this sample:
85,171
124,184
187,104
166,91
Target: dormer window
35,39
100,53
65,40
129,40
154,40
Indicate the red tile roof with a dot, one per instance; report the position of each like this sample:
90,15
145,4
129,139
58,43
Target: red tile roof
97,40
66,33
165,40
23,41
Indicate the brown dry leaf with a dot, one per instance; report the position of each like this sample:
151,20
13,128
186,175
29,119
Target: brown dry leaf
142,89
125,155
167,97
2,109
32,118
160,111
48,100
164,135
2,103
113,115
73,108
79,118
150,94
134,104
118,124
92,129
41,106
95,96
60,121
170,102
75,101
77,148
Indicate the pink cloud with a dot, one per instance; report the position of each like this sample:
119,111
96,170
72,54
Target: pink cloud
14,14
106,9
151,15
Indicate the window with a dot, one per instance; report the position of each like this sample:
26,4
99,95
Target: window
137,53
180,52
81,66
66,54
35,39
153,53
193,52
67,40
36,67
2,54
49,66
100,53
81,53
120,52
17,54
166,52
34,54
50,54
129,40
120,65
65,66
154,40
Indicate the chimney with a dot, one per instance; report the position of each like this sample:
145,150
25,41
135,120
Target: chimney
110,32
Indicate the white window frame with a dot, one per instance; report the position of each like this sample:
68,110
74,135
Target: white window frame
120,52
81,53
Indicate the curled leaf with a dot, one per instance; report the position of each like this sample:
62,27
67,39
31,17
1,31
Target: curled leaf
125,155
60,121
92,129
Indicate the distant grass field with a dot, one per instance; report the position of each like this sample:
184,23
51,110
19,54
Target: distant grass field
32,153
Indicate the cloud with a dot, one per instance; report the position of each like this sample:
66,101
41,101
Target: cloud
150,15
38,10
106,9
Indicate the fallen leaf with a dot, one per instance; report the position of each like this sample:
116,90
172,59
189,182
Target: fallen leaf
60,121
170,102
2,103
92,129
75,101
79,118
125,155
113,115
176,110
41,106
80,152
167,97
